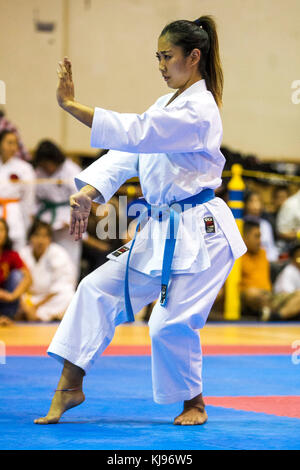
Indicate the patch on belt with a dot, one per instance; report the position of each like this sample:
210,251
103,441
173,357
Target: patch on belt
120,251
209,225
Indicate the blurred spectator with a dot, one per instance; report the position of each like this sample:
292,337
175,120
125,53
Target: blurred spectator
288,280
254,208
53,281
14,277
279,195
53,197
256,289
6,125
16,197
288,219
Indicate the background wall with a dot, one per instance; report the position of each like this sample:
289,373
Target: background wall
112,45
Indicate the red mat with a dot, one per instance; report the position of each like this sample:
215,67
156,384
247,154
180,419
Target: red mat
145,350
288,406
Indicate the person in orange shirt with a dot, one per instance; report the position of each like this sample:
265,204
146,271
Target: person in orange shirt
256,287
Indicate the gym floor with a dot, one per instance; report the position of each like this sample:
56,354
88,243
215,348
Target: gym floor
251,376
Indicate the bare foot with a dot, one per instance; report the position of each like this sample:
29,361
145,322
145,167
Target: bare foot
193,412
61,402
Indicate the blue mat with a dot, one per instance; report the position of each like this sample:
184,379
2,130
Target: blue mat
119,412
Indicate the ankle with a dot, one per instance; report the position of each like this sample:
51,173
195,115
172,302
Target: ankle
196,402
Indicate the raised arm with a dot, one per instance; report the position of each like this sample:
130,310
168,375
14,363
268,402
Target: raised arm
66,96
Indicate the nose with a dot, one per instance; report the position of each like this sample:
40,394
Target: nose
162,66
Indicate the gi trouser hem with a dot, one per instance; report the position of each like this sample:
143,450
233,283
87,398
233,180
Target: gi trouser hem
61,353
180,396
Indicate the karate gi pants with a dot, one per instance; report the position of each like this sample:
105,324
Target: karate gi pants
98,307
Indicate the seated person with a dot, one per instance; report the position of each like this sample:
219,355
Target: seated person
53,205
288,219
254,208
287,285
53,279
256,290
15,278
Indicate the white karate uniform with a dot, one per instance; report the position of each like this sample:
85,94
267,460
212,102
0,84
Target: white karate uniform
19,213
61,193
288,280
175,151
52,273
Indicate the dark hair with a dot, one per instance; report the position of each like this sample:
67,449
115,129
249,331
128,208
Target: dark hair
48,151
36,225
248,195
4,133
200,34
279,188
249,224
8,243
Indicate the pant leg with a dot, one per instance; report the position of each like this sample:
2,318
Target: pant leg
9,309
96,309
176,348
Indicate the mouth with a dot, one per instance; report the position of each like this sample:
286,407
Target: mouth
166,78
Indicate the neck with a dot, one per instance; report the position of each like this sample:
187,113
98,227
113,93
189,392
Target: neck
38,254
189,83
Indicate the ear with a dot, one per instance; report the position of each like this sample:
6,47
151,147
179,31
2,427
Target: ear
195,56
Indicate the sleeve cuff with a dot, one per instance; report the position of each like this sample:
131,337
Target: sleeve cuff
103,188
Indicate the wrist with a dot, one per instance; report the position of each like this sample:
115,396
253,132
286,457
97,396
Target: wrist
90,191
67,105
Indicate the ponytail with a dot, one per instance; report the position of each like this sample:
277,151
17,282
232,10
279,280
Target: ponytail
212,67
200,34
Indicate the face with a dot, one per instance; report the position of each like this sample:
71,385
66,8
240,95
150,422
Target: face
40,240
279,198
8,146
252,240
49,167
178,71
3,234
254,205
296,258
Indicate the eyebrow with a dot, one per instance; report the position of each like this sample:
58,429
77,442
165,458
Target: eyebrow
163,52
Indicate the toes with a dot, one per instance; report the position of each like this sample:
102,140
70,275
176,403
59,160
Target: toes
46,420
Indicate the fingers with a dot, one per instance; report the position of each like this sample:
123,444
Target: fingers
68,66
78,226
64,70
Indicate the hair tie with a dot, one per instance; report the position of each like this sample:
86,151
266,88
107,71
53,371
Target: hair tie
197,22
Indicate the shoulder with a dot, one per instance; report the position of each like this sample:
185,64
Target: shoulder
12,257
22,165
291,202
70,166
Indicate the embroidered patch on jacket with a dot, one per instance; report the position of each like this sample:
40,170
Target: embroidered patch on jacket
120,251
209,224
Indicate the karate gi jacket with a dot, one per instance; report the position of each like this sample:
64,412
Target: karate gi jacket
175,152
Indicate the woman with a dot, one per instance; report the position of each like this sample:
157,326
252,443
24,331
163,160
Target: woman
14,277
53,199
53,279
16,197
174,148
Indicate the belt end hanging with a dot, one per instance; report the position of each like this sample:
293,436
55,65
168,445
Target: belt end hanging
163,295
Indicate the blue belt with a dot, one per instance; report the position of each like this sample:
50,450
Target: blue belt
200,198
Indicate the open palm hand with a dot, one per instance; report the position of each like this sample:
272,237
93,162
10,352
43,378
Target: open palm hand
81,205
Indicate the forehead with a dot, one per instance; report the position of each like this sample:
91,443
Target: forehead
164,44
10,136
